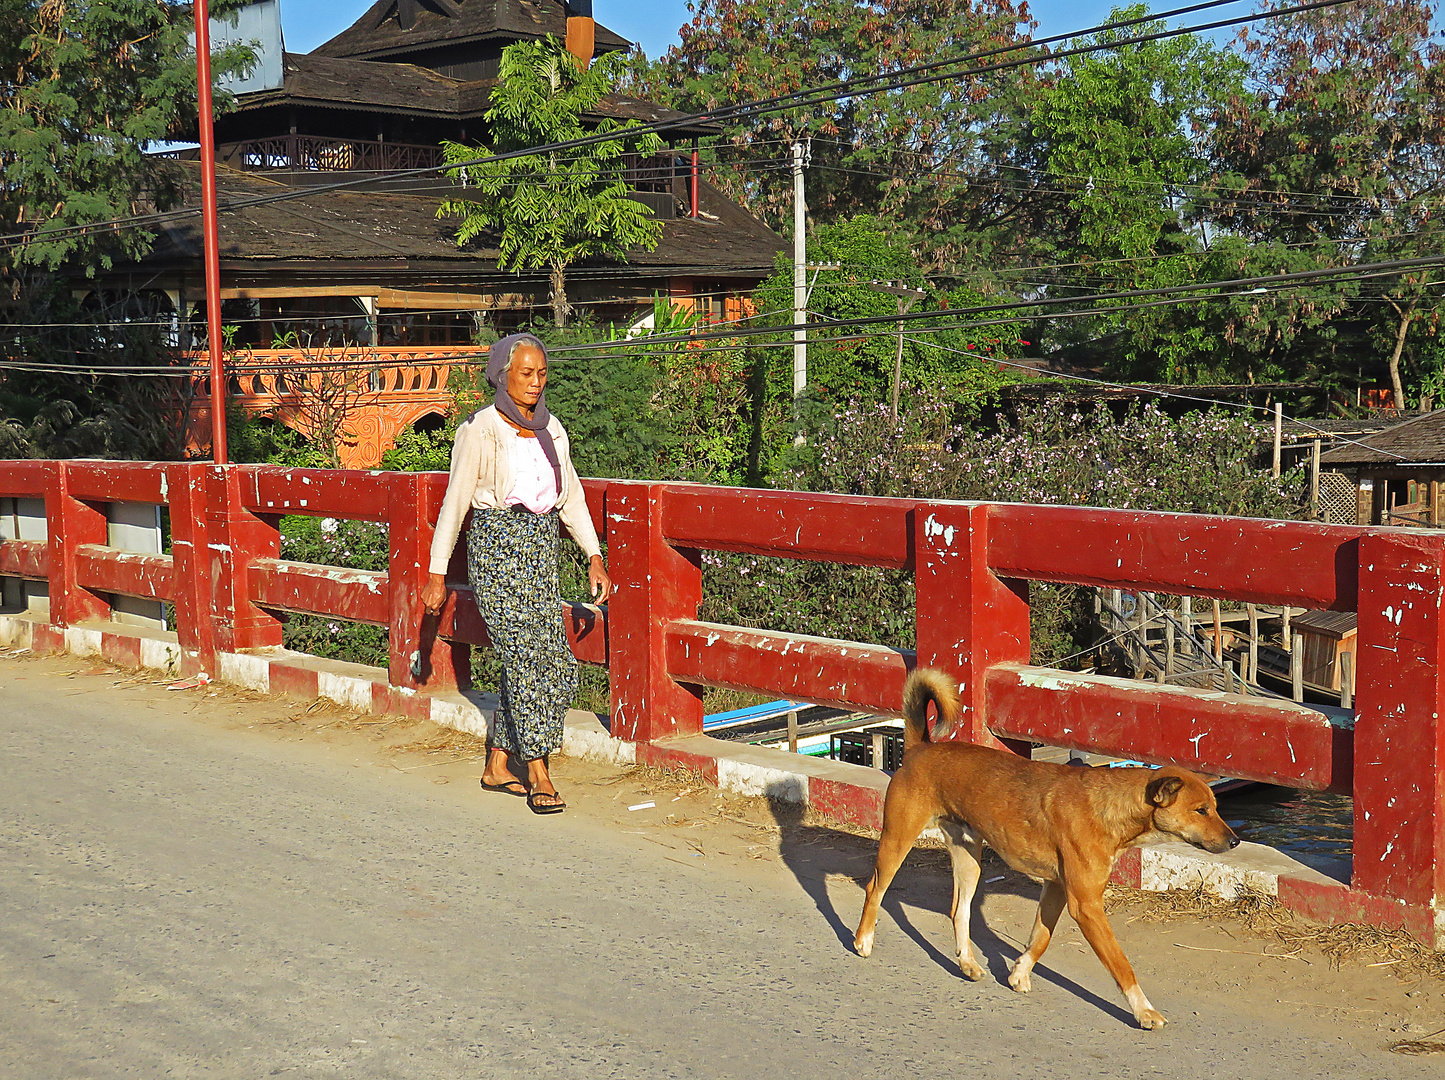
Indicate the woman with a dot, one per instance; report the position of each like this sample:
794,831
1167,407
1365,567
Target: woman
511,467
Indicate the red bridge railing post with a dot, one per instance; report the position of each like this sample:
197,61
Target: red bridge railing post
412,506
1399,844
69,523
190,562
234,537
968,618
656,583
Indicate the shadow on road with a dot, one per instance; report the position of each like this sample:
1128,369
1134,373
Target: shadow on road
814,853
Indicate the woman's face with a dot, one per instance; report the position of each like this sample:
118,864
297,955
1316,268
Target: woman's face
527,377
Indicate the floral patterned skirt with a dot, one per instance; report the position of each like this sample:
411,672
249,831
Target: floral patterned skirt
512,564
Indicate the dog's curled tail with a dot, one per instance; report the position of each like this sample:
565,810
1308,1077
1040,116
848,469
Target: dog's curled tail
923,686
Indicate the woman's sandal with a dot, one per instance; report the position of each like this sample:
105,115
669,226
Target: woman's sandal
507,787
545,808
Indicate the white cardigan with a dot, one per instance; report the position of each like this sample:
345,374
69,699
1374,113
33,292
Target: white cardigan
481,477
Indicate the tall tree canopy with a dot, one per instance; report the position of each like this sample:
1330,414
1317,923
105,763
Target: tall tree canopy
866,148
1337,151
555,208
85,87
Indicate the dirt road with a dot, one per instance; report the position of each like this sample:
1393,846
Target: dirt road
206,883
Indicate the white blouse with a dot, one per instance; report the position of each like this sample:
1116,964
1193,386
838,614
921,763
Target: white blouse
534,484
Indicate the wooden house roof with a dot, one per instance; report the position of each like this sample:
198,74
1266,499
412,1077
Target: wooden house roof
412,90
1420,441
339,228
1335,624
400,27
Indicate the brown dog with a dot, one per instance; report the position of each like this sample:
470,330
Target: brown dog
1059,824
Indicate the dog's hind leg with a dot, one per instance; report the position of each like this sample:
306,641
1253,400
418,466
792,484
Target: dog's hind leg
901,826
966,851
1051,906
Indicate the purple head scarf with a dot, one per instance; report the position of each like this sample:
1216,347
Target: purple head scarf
497,361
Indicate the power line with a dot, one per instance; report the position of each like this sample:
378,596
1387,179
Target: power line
1157,298
865,85
1154,392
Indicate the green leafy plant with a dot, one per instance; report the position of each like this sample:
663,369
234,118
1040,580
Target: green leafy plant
550,210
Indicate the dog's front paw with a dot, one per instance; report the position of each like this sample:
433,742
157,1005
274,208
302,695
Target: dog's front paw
1018,977
970,968
863,944
1150,1019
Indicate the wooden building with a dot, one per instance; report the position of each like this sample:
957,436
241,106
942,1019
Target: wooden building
372,266
1397,473
1327,635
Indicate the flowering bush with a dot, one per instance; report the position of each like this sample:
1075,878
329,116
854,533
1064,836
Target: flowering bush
358,545
1055,453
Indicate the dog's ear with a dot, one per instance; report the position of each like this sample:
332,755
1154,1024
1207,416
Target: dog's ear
1163,790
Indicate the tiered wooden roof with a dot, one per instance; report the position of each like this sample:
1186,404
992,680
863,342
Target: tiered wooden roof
412,90
399,231
392,28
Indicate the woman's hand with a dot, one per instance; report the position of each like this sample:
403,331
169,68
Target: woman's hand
601,583
434,594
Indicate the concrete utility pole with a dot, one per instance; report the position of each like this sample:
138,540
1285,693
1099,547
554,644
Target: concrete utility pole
801,153
906,297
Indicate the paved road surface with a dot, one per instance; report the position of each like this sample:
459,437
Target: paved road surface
185,897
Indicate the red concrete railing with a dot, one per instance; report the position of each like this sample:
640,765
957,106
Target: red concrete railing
971,562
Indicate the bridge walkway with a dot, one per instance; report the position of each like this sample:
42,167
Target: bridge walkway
217,883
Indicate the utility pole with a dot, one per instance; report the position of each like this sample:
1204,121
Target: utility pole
211,230
1278,431
801,152
906,297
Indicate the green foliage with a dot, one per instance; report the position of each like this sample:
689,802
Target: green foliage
420,451
1116,135
84,88
263,441
856,364
94,409
359,545
742,50
550,210
1340,150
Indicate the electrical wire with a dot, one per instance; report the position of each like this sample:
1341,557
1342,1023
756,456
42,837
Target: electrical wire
1152,392
866,85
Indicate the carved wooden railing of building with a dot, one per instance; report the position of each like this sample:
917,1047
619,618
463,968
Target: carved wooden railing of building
363,396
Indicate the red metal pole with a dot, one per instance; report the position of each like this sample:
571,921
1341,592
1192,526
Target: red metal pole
211,230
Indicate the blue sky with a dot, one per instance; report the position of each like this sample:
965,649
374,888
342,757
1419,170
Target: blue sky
651,23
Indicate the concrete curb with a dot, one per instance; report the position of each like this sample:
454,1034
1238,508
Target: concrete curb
850,794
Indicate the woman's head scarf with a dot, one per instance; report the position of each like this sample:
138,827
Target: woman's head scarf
497,364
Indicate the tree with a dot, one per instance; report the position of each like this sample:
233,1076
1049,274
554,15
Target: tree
84,89
1097,166
856,364
1338,150
866,149
553,209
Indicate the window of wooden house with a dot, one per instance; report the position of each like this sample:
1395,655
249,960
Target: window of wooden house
719,301
402,329
298,322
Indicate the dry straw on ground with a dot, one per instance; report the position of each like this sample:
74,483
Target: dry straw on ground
1263,915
